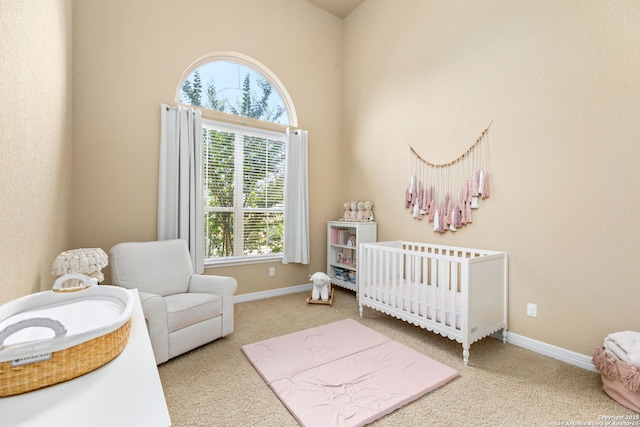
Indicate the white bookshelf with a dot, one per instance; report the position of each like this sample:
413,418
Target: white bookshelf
343,238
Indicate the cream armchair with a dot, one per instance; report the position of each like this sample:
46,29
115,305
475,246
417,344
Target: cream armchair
183,310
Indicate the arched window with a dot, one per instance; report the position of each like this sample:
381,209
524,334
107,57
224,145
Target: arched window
243,162
236,84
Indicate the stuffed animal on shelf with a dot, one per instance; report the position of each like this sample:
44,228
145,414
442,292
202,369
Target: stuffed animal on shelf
354,211
360,211
368,210
347,211
321,285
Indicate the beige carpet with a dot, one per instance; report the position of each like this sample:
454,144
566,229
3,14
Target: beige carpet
215,385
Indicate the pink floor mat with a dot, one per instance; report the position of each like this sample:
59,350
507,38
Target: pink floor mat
343,373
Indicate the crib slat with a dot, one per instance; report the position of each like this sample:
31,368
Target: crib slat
453,288
377,277
432,290
443,283
387,278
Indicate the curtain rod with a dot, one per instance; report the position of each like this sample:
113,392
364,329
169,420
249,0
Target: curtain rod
247,121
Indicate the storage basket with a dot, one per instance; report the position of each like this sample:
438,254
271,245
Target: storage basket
91,327
620,381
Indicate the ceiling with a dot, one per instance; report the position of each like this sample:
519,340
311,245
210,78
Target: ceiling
339,8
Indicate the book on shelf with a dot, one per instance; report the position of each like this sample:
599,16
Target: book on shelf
339,273
335,236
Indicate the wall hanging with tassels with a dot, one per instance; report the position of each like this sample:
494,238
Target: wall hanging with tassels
447,193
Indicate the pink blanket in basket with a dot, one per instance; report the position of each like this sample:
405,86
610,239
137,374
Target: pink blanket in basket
343,373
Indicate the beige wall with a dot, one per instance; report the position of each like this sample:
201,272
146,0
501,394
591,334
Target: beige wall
129,56
35,142
560,80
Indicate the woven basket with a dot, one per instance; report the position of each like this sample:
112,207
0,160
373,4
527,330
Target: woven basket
620,380
33,364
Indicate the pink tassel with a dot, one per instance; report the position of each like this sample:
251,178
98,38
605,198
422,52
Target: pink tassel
416,202
432,210
631,379
443,219
598,358
458,222
409,193
424,209
447,209
606,364
476,184
454,219
485,188
467,213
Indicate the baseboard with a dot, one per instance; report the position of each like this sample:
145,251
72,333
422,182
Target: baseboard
559,353
271,293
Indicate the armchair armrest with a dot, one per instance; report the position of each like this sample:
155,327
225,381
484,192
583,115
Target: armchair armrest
223,286
155,314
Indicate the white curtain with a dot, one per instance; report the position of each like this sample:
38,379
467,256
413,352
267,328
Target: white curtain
296,199
180,205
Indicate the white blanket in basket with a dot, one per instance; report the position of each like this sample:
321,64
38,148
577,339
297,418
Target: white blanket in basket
625,346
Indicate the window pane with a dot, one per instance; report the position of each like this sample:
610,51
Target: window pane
263,232
263,173
244,191
218,167
235,89
218,234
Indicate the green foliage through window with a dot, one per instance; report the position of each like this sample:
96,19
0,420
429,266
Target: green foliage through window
243,168
235,89
243,193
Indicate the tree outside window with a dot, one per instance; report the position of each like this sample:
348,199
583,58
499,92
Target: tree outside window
243,171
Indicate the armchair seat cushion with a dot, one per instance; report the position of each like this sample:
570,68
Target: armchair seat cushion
187,309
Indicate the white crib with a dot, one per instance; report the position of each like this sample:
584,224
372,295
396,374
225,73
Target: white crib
459,293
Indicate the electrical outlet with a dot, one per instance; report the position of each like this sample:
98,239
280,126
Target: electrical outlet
532,310
272,271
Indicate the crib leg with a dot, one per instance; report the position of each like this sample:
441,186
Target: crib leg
504,336
465,355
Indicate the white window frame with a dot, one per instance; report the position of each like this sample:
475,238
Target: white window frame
238,219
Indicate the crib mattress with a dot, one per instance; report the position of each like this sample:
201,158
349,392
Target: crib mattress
416,302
